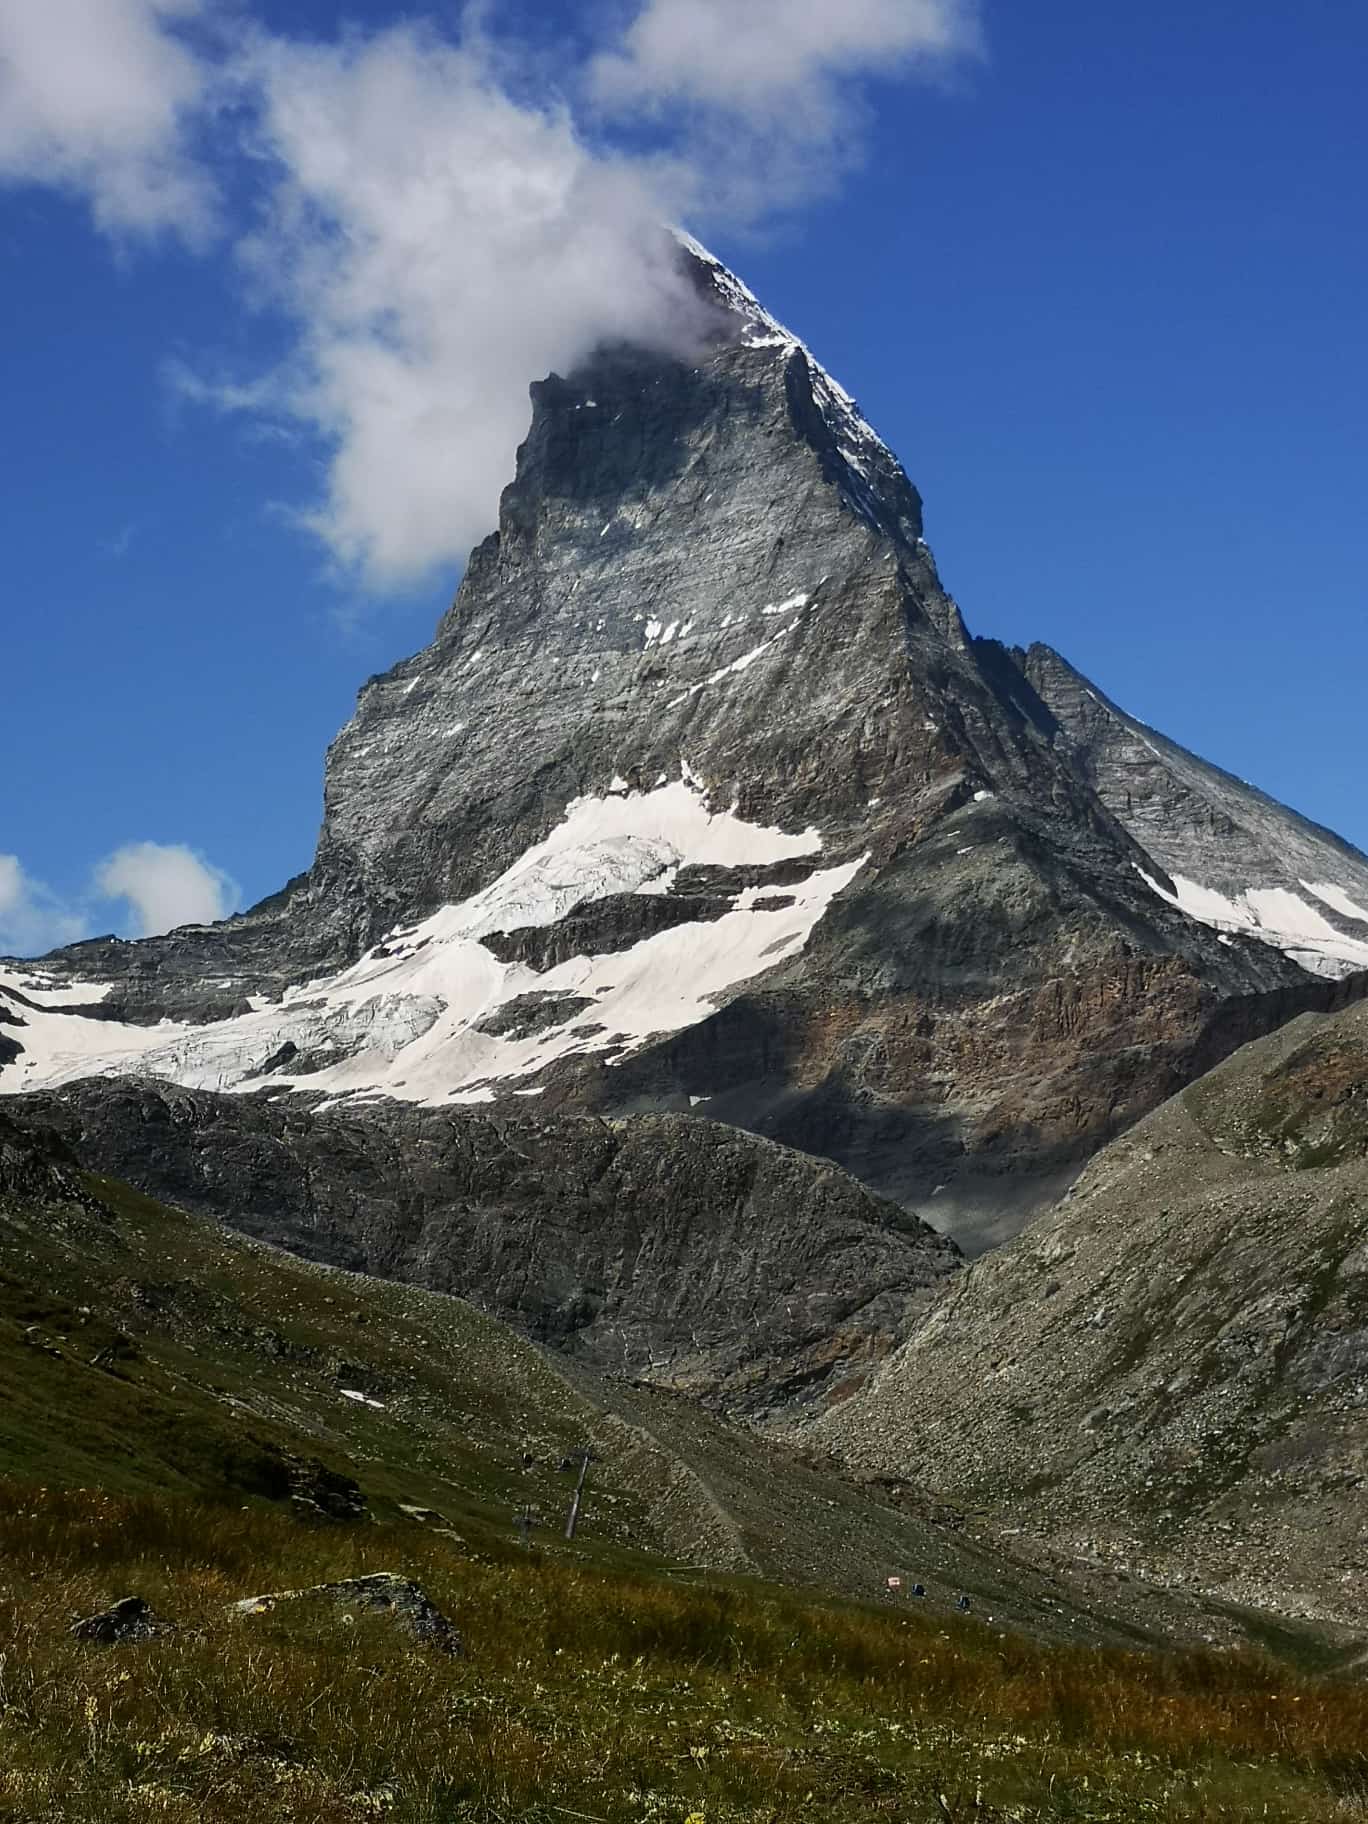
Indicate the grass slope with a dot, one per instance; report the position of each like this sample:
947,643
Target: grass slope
651,1671
612,1696
229,1364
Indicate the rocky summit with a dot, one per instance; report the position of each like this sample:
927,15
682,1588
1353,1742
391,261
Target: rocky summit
704,801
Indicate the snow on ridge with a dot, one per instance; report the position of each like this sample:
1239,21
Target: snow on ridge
859,443
404,1020
1275,916
1337,899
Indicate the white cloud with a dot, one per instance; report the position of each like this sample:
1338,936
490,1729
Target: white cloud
757,58
165,885
436,234
162,884
32,918
761,97
96,97
439,246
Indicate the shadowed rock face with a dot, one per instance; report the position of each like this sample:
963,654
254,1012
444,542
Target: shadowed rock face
1171,1369
35,1167
714,572
679,1251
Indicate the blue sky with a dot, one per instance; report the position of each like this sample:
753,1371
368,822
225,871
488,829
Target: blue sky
1101,286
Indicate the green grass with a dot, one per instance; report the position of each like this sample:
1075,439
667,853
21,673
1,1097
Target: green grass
233,1364
596,1694
236,1361
615,1680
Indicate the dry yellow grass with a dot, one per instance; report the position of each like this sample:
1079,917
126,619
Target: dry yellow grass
595,1695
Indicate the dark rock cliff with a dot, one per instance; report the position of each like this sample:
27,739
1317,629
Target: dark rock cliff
678,1251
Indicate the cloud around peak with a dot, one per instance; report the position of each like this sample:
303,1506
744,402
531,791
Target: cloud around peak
438,245
436,216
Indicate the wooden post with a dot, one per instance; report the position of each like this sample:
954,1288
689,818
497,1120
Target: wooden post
573,1521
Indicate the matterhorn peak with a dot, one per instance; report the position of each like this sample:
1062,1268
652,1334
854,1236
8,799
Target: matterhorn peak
704,800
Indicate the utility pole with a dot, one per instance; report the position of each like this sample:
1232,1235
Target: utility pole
573,1521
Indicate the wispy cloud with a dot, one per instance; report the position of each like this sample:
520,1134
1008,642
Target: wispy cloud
121,543
438,222
99,97
762,101
32,917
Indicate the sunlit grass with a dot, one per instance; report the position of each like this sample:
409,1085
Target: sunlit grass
598,1695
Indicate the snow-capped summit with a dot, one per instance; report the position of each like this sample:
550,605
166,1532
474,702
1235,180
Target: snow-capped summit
703,798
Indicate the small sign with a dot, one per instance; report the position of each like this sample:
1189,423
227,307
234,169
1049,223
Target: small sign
895,1583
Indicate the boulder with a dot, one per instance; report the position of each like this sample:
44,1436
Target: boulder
131,1618
383,1593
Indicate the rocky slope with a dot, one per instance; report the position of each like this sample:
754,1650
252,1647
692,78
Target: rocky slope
1239,861
681,1252
1171,1370
151,1352
703,799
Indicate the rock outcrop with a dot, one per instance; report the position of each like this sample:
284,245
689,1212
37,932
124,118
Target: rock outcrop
1171,1370
130,1619
388,1593
678,1251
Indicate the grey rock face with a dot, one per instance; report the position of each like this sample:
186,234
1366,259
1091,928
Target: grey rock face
1204,825
679,1251
715,571
1170,1371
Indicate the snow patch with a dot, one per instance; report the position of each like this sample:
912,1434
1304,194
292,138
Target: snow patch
1337,899
1275,916
407,1019
737,666
48,991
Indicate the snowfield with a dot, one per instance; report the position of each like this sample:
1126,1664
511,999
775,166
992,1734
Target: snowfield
1279,917
405,1020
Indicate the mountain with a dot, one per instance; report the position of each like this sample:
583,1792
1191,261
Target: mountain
704,800
1238,860
1170,1371
205,1365
684,1253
